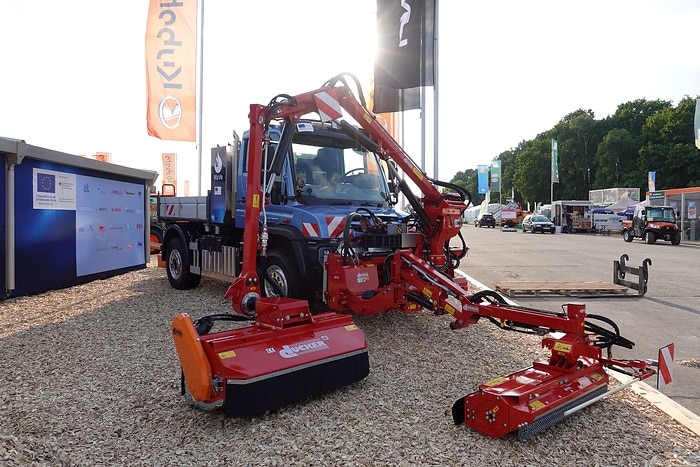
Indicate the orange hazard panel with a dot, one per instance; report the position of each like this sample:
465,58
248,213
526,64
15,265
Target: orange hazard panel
194,362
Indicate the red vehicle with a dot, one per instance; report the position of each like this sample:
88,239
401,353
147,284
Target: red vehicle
652,223
376,265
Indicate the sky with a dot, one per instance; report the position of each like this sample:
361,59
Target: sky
73,76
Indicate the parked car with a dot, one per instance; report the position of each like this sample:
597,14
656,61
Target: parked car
537,223
485,220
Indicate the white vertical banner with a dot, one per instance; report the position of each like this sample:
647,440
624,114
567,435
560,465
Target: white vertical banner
555,161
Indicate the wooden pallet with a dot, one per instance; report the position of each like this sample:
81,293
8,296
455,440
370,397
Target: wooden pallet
521,288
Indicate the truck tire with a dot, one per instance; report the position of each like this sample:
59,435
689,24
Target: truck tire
649,237
627,236
177,264
280,267
676,240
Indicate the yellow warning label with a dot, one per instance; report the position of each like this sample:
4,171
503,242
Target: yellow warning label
495,382
536,405
561,347
351,327
449,309
418,173
597,376
427,292
227,354
495,409
256,201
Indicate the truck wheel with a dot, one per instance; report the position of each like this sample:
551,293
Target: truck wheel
283,270
649,237
627,236
178,267
676,240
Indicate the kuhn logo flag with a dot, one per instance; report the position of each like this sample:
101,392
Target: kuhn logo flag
171,44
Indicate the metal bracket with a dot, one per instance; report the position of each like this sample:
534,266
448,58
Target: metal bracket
642,273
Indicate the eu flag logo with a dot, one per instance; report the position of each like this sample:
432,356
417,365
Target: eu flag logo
45,183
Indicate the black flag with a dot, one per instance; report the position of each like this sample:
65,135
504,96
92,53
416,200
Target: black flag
404,60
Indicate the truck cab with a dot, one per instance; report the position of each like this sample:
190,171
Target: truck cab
315,177
652,223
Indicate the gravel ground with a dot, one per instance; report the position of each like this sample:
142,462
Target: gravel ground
91,377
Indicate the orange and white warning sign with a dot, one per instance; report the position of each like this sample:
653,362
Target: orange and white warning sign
171,47
665,375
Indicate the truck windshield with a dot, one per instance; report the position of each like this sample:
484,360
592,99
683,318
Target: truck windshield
661,215
345,175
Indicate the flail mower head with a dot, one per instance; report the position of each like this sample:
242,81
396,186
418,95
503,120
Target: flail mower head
257,368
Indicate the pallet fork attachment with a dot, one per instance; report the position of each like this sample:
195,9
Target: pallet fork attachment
620,269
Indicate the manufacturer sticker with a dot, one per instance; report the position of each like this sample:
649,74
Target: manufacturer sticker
292,351
227,354
561,347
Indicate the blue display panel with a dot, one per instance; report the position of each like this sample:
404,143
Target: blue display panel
73,225
109,225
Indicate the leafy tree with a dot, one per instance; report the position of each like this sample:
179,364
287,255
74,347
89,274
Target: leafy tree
468,179
616,159
533,169
669,148
508,165
578,137
618,151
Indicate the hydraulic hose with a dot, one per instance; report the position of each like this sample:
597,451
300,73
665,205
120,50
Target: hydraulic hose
609,338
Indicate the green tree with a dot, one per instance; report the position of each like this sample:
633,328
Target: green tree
669,148
616,159
533,169
578,135
468,180
618,153
508,164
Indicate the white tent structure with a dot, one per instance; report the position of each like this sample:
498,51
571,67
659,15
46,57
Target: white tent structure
622,204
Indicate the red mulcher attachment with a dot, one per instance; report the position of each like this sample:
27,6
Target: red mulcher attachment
258,368
535,398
